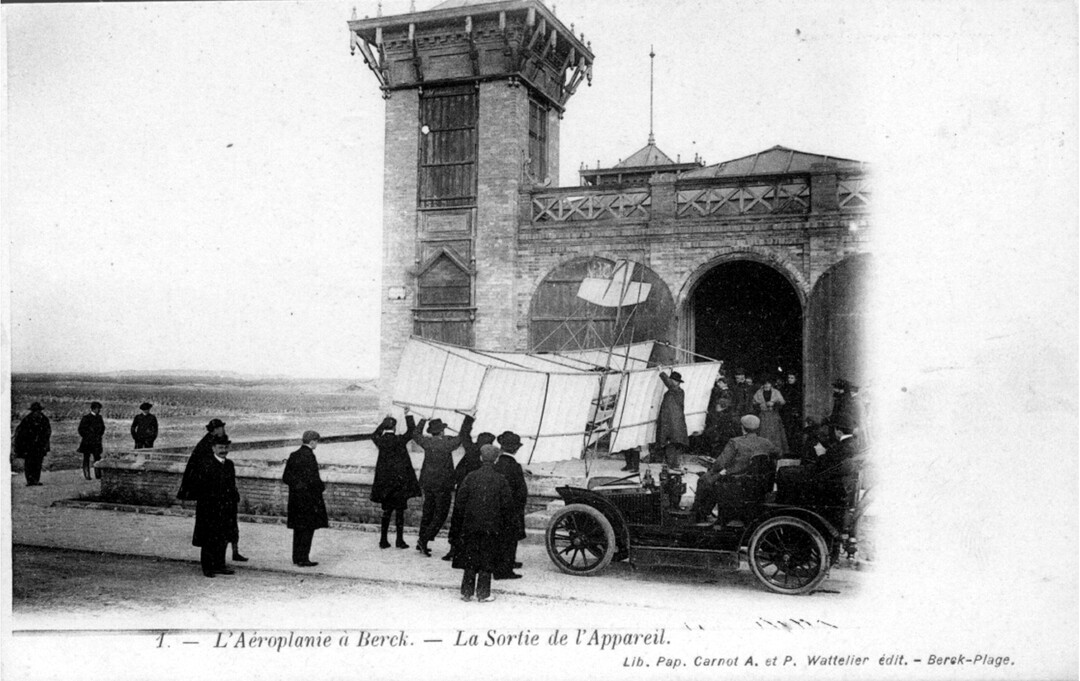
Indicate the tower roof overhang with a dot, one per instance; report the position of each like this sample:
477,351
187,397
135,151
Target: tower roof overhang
475,41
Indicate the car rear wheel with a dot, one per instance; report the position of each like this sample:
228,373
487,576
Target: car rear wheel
580,540
788,555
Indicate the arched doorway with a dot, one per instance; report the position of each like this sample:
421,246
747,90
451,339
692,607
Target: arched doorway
561,320
836,331
749,315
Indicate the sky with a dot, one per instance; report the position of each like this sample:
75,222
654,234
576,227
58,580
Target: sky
198,185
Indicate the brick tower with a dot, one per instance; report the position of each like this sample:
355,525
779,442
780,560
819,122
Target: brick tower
474,94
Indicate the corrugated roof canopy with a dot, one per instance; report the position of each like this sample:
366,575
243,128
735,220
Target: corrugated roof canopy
775,161
448,4
649,155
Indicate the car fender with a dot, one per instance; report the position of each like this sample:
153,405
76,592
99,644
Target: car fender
579,495
826,528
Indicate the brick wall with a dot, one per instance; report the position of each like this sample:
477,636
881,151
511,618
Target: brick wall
399,233
152,480
504,134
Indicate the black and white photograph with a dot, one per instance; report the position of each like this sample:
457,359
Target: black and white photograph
524,339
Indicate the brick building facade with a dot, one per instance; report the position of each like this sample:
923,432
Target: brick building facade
481,250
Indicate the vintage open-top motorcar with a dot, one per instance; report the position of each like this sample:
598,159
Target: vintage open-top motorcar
789,547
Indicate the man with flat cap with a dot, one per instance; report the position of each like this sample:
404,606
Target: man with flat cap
510,469
215,430
437,475
307,510
671,436
734,461
91,432
213,484
32,442
144,428
482,513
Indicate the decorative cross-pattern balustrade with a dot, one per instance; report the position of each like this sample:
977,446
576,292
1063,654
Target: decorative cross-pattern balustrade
784,197
719,198
551,207
853,192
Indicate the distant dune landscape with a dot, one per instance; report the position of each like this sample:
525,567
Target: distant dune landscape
254,408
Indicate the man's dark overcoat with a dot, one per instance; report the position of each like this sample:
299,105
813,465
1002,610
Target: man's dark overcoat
213,484
482,518
203,449
91,430
33,436
469,462
510,469
437,470
144,430
307,510
671,421
395,479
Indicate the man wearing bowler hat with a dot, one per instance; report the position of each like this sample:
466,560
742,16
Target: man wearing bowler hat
213,484
671,436
510,469
215,429
144,428
91,430
307,510
437,475
32,442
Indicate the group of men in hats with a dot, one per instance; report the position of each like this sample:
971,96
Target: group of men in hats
825,471
210,481
440,480
32,439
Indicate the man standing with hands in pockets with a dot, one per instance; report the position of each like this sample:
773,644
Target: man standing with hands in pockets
307,510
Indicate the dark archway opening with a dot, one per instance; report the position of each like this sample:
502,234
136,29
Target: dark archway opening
747,314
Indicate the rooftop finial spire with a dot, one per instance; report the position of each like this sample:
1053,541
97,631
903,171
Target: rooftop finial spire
652,58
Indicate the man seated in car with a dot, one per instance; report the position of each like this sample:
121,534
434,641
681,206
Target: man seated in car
827,477
721,482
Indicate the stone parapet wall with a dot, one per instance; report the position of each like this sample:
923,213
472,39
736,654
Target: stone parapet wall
152,479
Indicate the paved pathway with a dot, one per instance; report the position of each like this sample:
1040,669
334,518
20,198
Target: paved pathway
36,521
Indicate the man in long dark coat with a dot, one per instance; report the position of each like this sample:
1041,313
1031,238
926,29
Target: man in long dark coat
482,516
843,406
671,436
91,430
437,476
721,424
215,429
32,442
469,462
510,442
144,427
395,480
307,510
742,394
213,482
827,480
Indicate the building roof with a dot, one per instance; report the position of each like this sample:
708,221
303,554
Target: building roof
649,155
775,161
447,4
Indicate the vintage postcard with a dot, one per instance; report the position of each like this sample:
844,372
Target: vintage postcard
525,339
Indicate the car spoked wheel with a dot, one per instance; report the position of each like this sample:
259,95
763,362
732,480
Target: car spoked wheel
580,540
788,555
